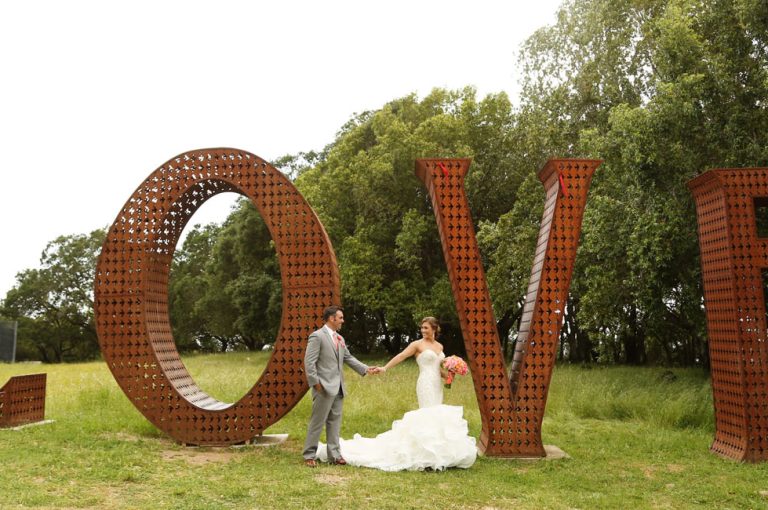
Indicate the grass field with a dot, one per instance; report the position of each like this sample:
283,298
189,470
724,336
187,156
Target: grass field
637,438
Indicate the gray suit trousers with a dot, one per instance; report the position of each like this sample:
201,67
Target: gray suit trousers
326,410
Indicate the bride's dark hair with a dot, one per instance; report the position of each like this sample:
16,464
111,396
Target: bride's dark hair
432,322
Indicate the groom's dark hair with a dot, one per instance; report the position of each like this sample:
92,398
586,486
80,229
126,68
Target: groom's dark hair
331,311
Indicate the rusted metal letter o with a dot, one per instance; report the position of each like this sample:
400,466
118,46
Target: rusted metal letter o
131,295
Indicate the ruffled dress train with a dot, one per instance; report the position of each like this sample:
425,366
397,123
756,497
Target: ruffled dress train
435,436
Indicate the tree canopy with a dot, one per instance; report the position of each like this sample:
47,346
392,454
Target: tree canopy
54,303
661,90
224,288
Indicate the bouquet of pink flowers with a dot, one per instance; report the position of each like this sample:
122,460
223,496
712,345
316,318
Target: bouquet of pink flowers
454,365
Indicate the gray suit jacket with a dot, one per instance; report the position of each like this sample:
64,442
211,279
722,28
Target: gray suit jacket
323,364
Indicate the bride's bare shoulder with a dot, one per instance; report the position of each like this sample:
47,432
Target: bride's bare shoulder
413,348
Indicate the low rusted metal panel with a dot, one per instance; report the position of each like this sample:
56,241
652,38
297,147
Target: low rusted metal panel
22,400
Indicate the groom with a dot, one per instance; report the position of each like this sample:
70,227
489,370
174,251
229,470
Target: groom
326,351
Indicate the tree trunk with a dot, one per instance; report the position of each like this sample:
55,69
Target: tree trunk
43,354
504,326
387,343
224,341
580,344
634,342
397,341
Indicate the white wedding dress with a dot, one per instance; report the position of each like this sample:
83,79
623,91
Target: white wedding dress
434,436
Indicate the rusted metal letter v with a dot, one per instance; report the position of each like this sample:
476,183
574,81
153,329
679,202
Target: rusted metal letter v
511,407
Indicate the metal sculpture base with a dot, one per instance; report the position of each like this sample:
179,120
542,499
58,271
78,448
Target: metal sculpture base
27,425
260,440
264,440
551,452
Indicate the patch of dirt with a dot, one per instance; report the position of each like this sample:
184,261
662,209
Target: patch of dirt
330,479
648,471
675,468
500,504
112,496
65,508
122,436
198,457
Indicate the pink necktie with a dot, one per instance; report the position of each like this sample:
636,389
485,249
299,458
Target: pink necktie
336,341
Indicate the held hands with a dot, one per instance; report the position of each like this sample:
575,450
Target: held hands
375,370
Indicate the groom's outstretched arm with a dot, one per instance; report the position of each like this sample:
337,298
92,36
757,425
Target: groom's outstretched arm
356,365
310,359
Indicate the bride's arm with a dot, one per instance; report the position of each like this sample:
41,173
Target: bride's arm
406,353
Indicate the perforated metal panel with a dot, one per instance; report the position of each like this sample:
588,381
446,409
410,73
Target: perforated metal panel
131,295
22,400
733,259
511,408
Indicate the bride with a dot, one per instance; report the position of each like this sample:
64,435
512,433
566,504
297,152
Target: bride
431,437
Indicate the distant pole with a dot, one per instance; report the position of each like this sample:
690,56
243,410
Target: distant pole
13,352
8,336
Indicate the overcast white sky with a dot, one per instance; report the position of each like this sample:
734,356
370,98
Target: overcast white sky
95,95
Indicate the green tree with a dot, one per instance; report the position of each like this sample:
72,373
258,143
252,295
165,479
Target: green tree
379,216
225,290
54,303
661,90
188,283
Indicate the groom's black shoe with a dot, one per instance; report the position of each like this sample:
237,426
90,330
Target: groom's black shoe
340,461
